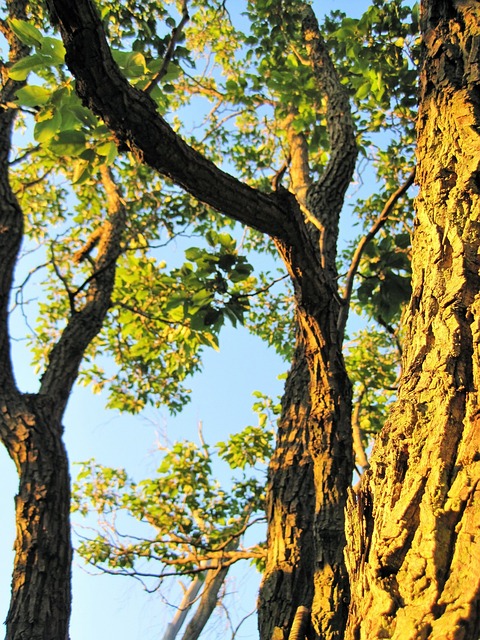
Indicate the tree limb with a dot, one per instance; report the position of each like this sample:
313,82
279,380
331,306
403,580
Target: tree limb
176,34
325,197
299,167
209,599
85,323
11,214
343,154
132,116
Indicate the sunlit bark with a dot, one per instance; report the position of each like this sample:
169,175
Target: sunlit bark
41,592
413,554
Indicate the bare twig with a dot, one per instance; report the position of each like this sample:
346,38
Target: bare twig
24,155
32,183
244,619
257,292
377,225
149,316
63,280
176,34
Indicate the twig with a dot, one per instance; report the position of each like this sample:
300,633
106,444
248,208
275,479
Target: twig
27,153
149,316
377,225
257,292
63,280
176,34
32,183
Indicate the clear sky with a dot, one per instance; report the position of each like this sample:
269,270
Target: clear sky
109,607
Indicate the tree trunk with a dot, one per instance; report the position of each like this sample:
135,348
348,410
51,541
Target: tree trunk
41,592
414,558
30,425
310,471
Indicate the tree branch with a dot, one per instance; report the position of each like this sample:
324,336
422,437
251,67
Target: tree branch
84,324
208,602
325,197
132,116
176,34
377,225
299,167
11,214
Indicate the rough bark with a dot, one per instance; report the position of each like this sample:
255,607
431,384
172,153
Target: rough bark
312,465
308,478
41,593
413,556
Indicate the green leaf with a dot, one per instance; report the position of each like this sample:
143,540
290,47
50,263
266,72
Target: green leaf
20,70
54,49
68,143
363,91
83,171
45,129
33,96
26,32
402,240
194,253
173,72
109,150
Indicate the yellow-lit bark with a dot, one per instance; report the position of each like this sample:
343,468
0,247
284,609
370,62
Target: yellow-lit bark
413,553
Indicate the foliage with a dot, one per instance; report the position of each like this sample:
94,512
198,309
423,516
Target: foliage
372,359
249,86
188,519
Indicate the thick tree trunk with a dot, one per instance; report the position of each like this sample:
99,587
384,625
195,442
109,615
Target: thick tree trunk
40,604
414,557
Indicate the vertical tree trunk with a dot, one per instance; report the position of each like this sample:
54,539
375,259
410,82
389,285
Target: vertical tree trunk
414,557
310,473
40,604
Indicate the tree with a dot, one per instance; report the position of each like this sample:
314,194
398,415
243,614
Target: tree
191,527
310,473
411,530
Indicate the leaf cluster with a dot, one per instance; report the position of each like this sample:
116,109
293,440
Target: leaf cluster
189,520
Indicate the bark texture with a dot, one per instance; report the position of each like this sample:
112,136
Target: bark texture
41,591
413,552
312,465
